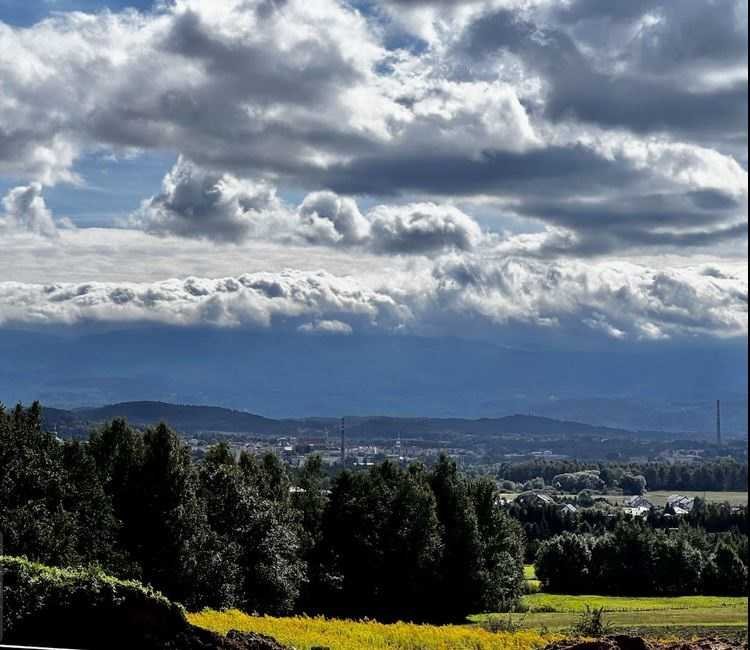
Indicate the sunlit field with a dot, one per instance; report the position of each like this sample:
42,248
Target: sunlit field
304,633
558,612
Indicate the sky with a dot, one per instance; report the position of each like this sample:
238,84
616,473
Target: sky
576,170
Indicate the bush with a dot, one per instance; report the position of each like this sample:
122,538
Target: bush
563,563
592,622
83,608
633,484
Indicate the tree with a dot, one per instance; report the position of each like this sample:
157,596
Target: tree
461,585
633,484
501,549
726,572
257,537
563,563
33,486
382,544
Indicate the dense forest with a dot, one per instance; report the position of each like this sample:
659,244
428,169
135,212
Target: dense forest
391,542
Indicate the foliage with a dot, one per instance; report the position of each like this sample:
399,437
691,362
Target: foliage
304,632
592,621
721,474
633,484
636,559
81,607
574,482
393,542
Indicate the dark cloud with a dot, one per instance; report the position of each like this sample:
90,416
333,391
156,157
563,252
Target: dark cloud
639,94
693,219
580,10
550,170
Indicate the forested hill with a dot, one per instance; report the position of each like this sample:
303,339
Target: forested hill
189,418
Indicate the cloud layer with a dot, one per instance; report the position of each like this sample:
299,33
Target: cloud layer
619,300
424,164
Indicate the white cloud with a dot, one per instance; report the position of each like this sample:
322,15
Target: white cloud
326,327
331,219
221,207
621,300
422,228
310,98
25,211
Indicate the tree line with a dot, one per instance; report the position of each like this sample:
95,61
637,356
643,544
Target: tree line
724,474
636,559
542,522
392,542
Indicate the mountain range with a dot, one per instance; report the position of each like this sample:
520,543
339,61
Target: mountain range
201,419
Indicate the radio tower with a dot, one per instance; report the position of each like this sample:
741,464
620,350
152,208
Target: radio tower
718,422
343,445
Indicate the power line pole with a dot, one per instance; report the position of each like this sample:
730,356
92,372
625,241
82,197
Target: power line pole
718,422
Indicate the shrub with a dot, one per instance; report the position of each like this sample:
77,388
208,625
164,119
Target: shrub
83,608
592,622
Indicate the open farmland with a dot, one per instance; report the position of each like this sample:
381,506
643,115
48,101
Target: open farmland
304,633
557,612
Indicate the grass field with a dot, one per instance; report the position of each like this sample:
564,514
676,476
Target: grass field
529,576
558,612
304,633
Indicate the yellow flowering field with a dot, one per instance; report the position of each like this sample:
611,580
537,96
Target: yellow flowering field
303,633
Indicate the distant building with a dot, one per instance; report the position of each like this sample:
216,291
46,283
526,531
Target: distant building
678,502
638,501
535,499
568,509
637,511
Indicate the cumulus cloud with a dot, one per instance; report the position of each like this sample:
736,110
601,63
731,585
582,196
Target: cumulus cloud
328,218
633,67
253,299
619,300
201,204
422,228
198,203
326,327
25,211
600,128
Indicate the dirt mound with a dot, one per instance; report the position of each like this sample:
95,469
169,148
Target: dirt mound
625,642
195,638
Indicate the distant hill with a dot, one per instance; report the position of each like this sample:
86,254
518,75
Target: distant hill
668,387
184,417
192,419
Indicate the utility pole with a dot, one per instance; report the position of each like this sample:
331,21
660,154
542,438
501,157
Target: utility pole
343,443
718,422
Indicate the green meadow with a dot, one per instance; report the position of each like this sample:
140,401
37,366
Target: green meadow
659,615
